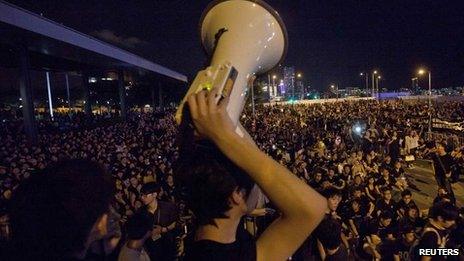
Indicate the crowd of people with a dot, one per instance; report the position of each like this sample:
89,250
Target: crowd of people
354,153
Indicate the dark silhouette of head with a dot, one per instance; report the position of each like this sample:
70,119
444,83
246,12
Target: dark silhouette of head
56,213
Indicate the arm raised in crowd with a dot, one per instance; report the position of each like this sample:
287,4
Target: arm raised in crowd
302,207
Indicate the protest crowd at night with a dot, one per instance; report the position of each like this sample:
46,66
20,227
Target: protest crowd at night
231,130
361,172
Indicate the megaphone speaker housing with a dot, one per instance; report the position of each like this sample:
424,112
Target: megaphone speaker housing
243,38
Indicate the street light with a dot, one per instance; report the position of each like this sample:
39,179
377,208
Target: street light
374,87
302,90
335,88
422,72
367,81
377,84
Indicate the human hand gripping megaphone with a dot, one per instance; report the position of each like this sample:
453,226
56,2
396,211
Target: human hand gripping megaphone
243,38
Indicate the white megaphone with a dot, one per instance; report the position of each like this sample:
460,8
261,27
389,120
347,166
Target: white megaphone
243,38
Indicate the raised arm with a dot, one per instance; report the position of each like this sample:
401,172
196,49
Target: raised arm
302,207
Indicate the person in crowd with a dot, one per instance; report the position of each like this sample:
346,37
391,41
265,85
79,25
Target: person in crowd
411,218
405,243
371,190
219,191
435,235
406,202
161,244
442,163
386,203
330,244
57,214
139,229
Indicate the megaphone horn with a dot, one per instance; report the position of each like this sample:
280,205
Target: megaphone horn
243,38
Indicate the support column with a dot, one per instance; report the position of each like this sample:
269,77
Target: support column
122,94
25,89
50,98
87,102
68,93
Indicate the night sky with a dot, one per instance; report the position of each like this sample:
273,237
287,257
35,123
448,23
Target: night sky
330,41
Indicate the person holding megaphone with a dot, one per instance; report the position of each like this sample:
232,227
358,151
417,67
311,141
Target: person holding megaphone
220,169
220,177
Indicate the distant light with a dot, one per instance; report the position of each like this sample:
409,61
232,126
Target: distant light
108,102
147,105
298,75
92,79
20,99
361,74
375,72
20,106
274,76
358,129
421,72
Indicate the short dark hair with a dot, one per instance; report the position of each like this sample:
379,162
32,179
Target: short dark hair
207,178
331,192
150,187
138,226
445,210
385,189
53,212
406,192
407,229
386,215
329,233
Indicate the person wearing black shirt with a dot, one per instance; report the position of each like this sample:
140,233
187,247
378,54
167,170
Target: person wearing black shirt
411,219
161,245
334,180
218,172
435,234
442,163
404,244
394,146
386,180
382,227
406,202
385,204
334,198
397,170
364,204
442,196
316,182
330,242
355,217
